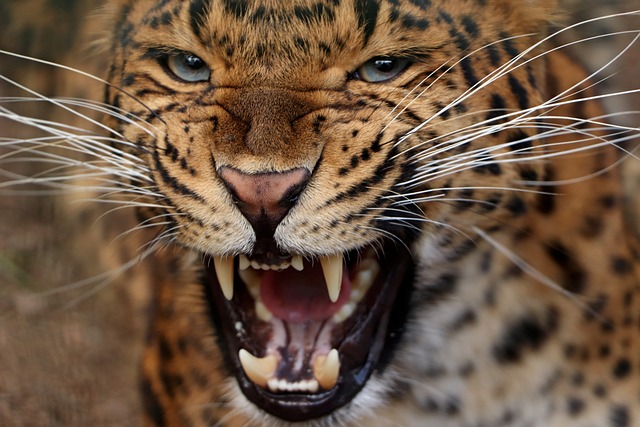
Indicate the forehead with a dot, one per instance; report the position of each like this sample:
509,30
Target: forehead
282,22
275,36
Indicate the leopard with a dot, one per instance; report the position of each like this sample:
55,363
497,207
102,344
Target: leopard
372,213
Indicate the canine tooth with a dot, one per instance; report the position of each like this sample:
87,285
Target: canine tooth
224,272
259,370
326,369
263,312
243,262
344,312
332,269
366,275
296,262
252,280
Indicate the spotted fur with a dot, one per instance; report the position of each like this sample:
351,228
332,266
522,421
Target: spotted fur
525,305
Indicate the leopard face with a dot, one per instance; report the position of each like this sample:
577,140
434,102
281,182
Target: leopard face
327,160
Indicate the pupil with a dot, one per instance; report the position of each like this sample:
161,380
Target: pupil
193,61
384,65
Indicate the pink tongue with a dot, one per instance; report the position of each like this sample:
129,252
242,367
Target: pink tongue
299,296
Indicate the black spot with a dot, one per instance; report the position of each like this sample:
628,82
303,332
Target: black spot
166,18
166,353
527,333
498,106
518,141
494,55
595,307
574,279
547,201
301,43
410,22
619,416
466,318
509,47
516,206
491,203
197,10
237,8
314,13
470,25
467,370
152,406
375,145
367,13
422,4
128,79
441,287
599,391
609,201
577,379
446,17
528,174
520,92
592,226
621,266
468,72
622,368
575,406
464,200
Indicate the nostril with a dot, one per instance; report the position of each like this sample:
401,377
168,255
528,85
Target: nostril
265,198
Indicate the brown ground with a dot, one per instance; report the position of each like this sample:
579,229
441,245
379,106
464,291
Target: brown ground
68,355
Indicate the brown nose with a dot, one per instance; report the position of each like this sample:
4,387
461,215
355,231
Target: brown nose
265,198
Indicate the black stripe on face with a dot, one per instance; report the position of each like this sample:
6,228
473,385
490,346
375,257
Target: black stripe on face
367,13
197,11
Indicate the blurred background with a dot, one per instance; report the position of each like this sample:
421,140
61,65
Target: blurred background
71,332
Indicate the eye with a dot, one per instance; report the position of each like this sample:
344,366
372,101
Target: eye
381,69
188,67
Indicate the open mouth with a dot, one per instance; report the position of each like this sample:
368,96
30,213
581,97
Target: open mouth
303,336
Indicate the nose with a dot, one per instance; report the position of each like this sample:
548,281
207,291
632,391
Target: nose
265,198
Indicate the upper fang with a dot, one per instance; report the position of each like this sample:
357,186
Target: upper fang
224,272
332,269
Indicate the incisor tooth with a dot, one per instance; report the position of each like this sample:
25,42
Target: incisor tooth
296,262
259,370
224,272
326,369
332,269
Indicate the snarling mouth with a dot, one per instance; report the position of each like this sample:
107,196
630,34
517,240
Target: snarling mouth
304,336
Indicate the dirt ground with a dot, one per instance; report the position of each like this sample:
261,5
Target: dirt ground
69,345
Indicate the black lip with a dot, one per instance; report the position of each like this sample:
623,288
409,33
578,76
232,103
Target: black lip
378,331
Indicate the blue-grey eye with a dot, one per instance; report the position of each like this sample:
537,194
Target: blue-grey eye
188,67
381,69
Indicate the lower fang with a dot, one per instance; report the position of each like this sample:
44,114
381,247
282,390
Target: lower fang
344,312
259,370
326,369
263,312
